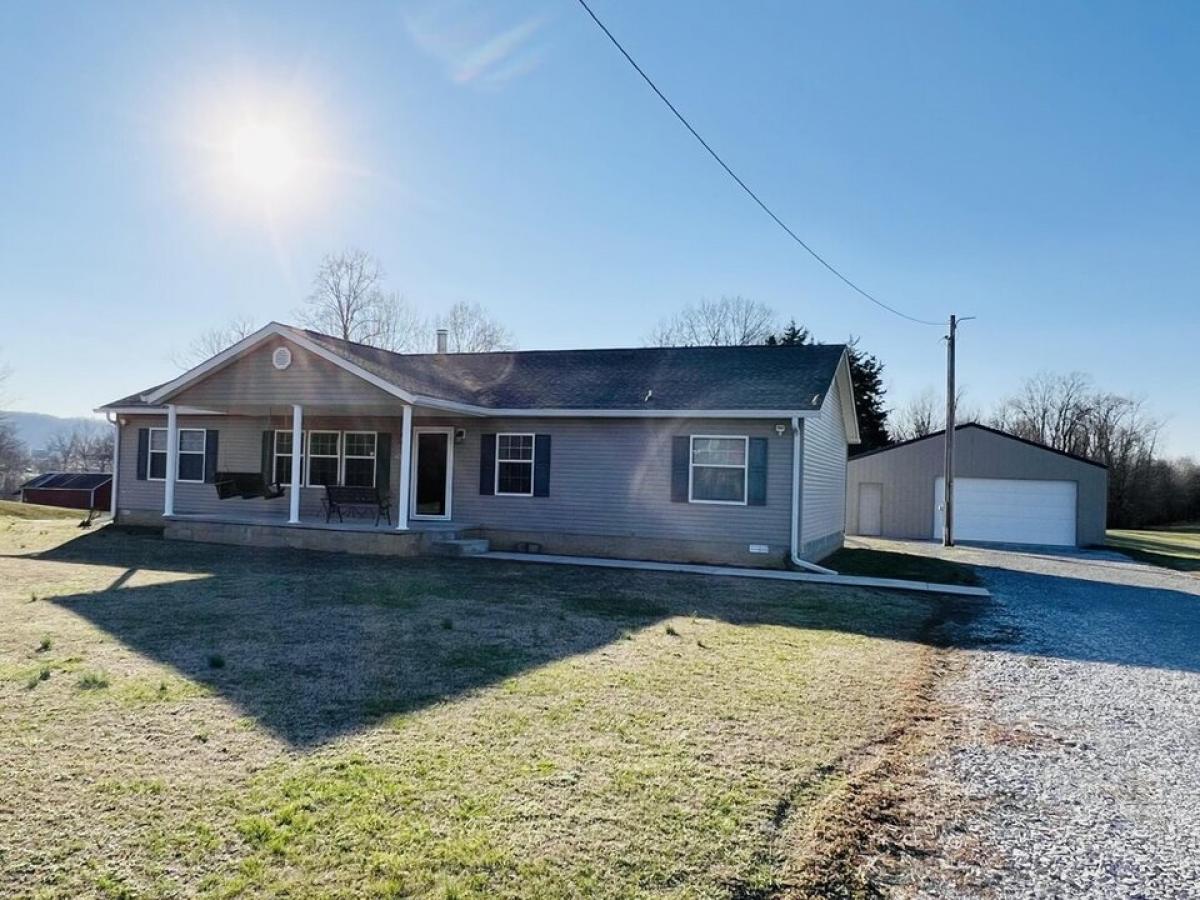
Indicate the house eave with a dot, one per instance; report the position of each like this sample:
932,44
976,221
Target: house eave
485,412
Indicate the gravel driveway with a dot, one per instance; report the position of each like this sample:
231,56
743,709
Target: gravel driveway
1073,767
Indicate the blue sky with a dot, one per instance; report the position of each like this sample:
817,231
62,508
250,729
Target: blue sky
1030,164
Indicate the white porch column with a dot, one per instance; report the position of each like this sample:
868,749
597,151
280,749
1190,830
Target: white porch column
297,450
406,452
172,461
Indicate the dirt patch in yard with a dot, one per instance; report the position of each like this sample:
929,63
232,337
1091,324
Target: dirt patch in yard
880,807
221,721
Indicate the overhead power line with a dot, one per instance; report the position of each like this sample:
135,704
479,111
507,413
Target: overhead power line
753,196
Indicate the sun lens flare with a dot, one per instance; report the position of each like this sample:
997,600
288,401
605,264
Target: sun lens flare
264,158
261,152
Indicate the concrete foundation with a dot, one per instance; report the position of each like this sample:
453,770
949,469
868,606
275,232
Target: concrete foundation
662,549
363,539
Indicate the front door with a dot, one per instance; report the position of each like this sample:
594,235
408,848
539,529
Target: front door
433,472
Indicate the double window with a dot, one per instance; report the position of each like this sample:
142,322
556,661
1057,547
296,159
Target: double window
514,465
717,470
328,457
190,466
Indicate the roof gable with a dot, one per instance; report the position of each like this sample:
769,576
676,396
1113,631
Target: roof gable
253,380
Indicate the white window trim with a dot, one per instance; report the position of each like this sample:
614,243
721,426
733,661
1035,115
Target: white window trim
150,451
745,467
342,456
275,454
203,454
308,456
416,454
374,457
532,467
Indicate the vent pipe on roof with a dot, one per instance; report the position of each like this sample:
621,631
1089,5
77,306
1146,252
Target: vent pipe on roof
442,338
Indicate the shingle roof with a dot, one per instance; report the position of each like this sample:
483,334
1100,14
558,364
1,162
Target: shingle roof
677,378
642,379
67,481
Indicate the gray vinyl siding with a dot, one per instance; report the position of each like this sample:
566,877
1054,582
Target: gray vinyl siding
253,383
823,508
607,477
907,474
239,450
613,477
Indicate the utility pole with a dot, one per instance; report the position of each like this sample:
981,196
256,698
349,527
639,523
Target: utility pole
948,500
951,404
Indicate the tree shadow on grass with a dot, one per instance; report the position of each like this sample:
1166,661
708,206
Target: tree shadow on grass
314,646
319,645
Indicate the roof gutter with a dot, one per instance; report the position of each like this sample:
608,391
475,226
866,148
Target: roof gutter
797,471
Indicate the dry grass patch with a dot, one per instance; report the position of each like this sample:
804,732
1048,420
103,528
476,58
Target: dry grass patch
10,509
425,727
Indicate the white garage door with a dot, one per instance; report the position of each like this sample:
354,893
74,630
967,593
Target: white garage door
1009,511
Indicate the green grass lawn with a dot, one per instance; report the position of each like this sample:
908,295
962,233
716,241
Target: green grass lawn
182,719
10,509
886,564
1177,547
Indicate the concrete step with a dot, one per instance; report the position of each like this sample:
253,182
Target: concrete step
460,547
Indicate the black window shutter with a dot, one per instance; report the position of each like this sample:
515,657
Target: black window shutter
268,455
541,465
211,439
681,448
143,459
756,473
487,464
383,461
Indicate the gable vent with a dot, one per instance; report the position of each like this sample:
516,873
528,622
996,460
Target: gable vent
281,358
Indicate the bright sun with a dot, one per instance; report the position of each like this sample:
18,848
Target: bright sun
262,152
264,158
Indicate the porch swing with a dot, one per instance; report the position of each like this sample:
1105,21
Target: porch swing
251,485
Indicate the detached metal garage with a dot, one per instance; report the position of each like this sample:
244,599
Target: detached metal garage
1006,490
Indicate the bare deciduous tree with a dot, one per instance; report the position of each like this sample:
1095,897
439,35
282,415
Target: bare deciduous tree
14,455
209,343
80,450
1067,413
919,417
925,413
728,322
472,330
1051,409
348,301
401,328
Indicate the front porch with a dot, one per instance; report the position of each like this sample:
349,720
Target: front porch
363,537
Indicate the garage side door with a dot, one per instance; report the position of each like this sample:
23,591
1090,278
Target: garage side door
1009,511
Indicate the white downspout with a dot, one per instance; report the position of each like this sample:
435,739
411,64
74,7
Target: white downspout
797,449
115,422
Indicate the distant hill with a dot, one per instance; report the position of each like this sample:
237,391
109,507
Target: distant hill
35,429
